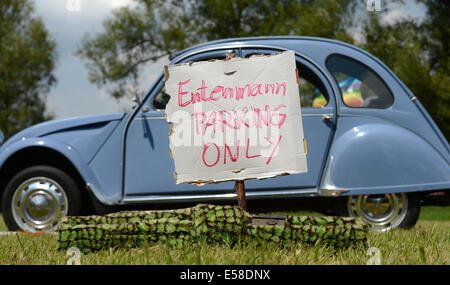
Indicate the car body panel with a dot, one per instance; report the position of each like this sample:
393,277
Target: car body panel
77,139
86,134
369,156
107,167
124,158
64,149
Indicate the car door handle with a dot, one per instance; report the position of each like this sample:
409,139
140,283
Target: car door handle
327,118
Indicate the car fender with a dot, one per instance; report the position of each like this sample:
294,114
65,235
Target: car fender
377,158
68,152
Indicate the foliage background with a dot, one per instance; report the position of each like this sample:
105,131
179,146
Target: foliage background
132,37
27,60
135,36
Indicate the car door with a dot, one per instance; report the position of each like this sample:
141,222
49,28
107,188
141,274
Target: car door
318,116
149,169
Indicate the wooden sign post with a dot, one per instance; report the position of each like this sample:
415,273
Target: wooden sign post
239,187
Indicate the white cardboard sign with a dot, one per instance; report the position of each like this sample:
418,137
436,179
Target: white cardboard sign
236,119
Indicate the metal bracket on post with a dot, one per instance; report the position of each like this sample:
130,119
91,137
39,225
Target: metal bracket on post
239,187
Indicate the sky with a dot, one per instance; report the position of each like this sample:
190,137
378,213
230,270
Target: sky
69,20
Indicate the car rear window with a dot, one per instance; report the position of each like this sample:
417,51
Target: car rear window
360,86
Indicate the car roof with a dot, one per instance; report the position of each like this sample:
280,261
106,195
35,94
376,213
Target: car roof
271,39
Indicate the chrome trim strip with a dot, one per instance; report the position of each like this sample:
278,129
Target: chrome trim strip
332,192
226,196
280,193
327,183
174,198
328,188
149,118
316,115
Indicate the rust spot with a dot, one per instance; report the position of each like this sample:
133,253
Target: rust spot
230,56
230,72
238,170
166,73
170,128
197,183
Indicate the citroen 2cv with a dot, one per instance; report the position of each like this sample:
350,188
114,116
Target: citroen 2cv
371,146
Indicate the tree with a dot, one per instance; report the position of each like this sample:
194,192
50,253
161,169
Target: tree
417,54
132,37
27,59
437,46
437,26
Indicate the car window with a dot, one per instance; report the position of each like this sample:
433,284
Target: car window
161,99
360,86
313,93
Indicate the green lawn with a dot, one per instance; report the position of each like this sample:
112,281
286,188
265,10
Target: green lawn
430,213
427,243
434,213
2,224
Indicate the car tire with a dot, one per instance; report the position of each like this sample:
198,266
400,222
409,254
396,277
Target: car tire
386,211
38,197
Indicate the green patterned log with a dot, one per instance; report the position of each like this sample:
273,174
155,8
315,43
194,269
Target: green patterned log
129,217
202,223
214,224
323,221
309,234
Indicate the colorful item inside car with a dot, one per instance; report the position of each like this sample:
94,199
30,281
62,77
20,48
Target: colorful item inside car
351,93
319,100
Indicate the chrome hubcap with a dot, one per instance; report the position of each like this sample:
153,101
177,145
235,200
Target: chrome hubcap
39,204
382,212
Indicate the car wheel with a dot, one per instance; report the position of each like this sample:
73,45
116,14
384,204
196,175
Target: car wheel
37,198
385,211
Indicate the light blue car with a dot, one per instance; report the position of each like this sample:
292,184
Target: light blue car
373,150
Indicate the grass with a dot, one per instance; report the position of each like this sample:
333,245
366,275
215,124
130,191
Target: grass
435,213
2,225
426,243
